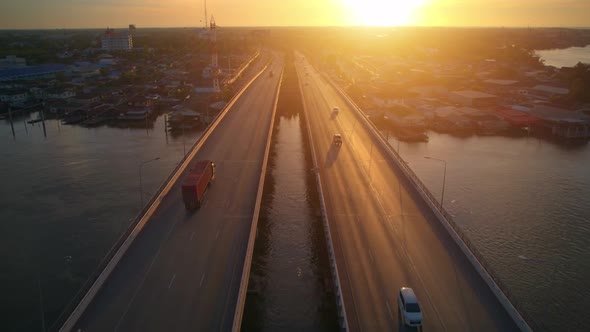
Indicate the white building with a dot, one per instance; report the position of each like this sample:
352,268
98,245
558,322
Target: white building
113,41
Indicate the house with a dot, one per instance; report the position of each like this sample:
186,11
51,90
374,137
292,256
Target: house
562,123
37,92
546,91
32,72
472,98
14,96
86,98
60,93
498,86
135,113
516,118
140,101
428,90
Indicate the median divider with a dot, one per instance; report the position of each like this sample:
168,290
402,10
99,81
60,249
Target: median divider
342,312
94,283
239,312
479,263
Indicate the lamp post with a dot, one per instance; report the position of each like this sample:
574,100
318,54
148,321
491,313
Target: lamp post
442,198
140,184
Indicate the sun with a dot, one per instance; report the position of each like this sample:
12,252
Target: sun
383,12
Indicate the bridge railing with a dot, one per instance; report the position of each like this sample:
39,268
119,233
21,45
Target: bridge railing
87,285
529,323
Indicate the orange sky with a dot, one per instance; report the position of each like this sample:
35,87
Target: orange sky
25,14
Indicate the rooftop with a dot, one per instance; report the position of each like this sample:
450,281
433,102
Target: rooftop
473,94
16,73
552,89
555,114
501,82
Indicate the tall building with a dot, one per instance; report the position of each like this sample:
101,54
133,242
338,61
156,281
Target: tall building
113,41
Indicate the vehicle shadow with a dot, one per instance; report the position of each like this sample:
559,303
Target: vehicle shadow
332,155
333,115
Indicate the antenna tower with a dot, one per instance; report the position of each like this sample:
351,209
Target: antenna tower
214,59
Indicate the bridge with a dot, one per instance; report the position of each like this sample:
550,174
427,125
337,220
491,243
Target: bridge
189,271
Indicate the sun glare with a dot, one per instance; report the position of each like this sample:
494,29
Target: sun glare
383,12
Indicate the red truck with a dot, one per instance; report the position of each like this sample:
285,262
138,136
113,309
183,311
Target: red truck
197,181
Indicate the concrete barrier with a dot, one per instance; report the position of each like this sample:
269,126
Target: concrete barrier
342,312
241,69
237,323
442,216
146,213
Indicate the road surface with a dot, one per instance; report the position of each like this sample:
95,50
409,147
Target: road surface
183,271
383,239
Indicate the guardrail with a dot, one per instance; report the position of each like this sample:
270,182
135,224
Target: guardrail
499,288
241,69
237,323
93,279
329,238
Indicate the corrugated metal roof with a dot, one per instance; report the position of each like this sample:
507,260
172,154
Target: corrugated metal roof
16,73
473,94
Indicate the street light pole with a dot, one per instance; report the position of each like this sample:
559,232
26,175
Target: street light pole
43,328
140,183
442,198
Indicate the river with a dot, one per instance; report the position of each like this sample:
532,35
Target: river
290,288
567,57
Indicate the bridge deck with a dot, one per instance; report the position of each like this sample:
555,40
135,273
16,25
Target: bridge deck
384,236
182,272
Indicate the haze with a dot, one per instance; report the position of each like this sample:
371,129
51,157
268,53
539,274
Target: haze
33,14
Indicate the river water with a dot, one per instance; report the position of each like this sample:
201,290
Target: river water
290,288
567,57
525,203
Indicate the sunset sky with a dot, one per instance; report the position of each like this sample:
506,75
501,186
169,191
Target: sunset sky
28,14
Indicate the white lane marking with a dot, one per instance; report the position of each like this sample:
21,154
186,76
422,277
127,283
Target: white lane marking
389,309
217,235
201,282
137,290
192,235
171,281
371,254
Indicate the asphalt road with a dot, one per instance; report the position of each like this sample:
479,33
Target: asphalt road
383,239
183,271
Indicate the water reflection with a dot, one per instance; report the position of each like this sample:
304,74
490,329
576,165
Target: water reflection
290,278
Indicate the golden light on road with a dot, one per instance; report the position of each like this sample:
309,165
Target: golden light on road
383,12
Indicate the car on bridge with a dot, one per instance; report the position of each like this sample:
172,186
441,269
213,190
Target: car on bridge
409,308
336,110
337,140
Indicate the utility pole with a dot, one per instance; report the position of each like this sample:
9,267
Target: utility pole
43,121
140,183
442,198
41,304
11,124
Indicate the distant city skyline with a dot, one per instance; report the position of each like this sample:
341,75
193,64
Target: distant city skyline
70,14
